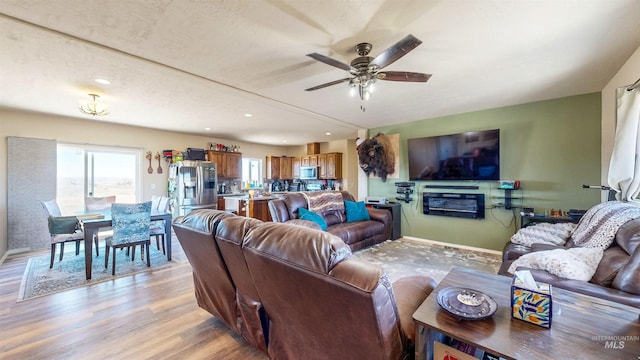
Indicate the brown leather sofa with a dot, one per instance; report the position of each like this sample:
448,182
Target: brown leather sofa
297,293
357,235
617,277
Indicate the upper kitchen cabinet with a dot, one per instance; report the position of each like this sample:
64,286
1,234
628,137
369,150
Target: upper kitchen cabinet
229,164
234,166
329,165
332,166
273,167
322,166
296,167
309,160
286,167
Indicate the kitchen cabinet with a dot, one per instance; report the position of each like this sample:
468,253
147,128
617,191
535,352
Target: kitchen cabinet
329,165
322,166
228,164
296,167
286,167
273,167
234,166
257,208
333,166
309,160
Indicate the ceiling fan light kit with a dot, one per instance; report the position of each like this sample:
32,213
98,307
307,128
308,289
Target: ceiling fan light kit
365,69
94,107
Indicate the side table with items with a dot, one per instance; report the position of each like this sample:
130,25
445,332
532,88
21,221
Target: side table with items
528,218
582,325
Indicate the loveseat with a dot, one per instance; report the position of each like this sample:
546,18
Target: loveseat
357,234
294,292
617,276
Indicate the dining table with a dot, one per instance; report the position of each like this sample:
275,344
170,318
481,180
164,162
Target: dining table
93,220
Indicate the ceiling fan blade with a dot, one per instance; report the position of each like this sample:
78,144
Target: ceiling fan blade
329,61
400,49
328,84
403,76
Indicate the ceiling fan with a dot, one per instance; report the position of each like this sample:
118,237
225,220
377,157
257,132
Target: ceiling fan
365,70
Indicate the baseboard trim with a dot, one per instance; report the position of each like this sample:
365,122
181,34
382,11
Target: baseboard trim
13,252
457,246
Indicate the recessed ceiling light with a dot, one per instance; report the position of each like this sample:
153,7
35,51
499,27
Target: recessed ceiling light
207,129
103,81
284,141
327,133
248,115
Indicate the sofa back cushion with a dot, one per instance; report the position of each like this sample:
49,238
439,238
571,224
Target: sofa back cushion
294,202
318,299
329,204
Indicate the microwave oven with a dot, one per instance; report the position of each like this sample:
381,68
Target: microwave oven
308,172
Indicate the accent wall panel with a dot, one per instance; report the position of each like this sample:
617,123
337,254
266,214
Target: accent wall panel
31,178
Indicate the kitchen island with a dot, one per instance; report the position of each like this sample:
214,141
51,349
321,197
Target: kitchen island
256,207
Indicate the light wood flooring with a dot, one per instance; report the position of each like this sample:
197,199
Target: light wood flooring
151,315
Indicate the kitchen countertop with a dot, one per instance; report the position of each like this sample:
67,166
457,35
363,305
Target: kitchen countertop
246,197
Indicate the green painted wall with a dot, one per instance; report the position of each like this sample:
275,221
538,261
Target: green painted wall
552,147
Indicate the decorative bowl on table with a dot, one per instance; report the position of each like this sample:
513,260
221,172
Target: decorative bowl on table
466,304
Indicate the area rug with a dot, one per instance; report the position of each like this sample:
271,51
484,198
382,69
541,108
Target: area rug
38,280
406,257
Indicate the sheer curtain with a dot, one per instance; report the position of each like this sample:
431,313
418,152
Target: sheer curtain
624,168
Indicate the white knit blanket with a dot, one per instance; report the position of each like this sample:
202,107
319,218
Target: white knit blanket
546,233
599,225
594,233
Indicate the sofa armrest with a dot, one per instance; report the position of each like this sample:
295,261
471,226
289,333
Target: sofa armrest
381,215
410,292
545,247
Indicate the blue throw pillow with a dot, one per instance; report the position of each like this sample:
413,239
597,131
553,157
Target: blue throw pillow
356,211
305,214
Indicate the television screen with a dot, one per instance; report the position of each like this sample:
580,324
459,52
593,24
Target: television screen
467,156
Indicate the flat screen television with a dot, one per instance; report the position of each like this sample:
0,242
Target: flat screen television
466,156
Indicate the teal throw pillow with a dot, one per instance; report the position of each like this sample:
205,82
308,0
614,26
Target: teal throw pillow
305,214
356,211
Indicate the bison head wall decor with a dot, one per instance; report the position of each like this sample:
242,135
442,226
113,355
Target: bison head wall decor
376,156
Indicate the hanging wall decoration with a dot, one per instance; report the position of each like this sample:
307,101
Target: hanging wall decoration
157,157
150,168
377,156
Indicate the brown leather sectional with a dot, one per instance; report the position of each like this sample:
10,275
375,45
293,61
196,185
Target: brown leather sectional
295,292
357,235
617,277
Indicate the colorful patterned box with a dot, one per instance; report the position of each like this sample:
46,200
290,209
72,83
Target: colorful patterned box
531,306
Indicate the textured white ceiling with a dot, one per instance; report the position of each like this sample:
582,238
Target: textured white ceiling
189,65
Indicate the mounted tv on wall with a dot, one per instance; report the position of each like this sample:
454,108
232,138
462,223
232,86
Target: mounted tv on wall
466,156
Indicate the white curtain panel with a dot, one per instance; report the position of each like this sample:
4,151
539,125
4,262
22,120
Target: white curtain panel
624,168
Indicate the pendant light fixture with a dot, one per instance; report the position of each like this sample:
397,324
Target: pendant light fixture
94,107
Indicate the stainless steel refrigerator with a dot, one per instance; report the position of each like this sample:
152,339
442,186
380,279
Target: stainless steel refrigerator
192,185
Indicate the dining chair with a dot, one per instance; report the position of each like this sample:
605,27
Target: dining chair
130,223
94,203
160,204
61,229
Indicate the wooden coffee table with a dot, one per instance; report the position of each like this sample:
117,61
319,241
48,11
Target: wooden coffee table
583,327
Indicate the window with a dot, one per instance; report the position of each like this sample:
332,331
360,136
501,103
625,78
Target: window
251,171
96,171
